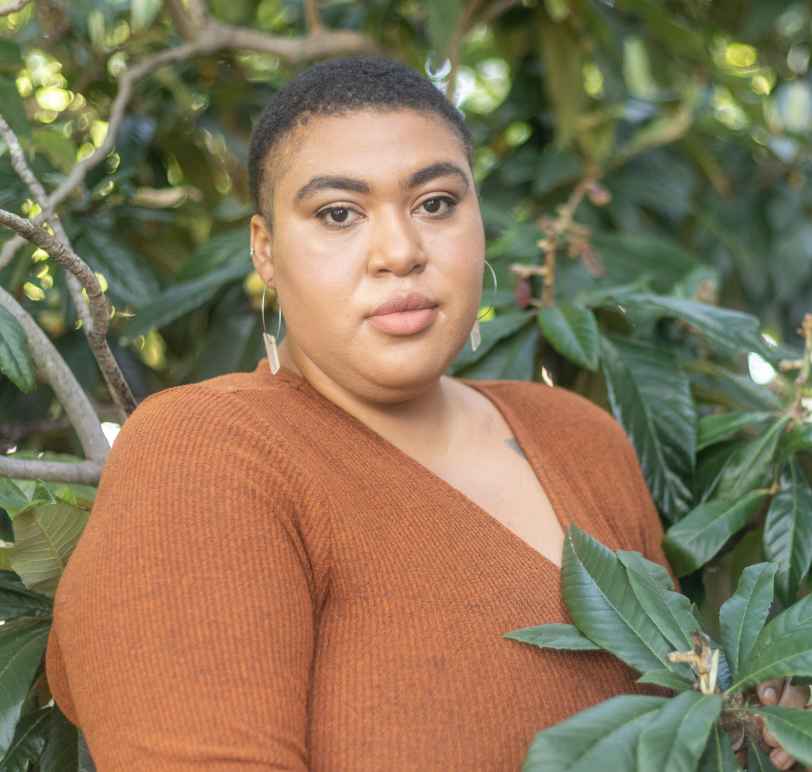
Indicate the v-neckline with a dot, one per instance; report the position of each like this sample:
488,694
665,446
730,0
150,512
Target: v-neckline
533,453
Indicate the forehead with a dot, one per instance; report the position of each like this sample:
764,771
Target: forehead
369,144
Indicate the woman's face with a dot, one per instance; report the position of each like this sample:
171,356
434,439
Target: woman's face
367,206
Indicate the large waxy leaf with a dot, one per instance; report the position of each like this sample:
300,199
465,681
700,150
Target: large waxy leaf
796,439
718,756
792,728
670,611
600,601
666,679
12,497
17,601
573,332
28,742
758,760
783,648
227,248
22,644
130,278
15,358
718,428
788,533
492,331
46,535
750,465
12,107
510,359
730,332
651,398
182,298
695,539
743,615
601,737
553,636
674,740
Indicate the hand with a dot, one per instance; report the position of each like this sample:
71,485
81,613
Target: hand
779,691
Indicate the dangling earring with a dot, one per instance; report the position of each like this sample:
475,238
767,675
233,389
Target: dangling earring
270,340
476,335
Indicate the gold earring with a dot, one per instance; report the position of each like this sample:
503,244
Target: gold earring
476,335
270,340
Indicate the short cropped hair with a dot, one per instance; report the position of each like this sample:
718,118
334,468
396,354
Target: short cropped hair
336,87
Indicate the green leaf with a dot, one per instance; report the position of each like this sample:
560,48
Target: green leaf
494,330
603,736
573,332
651,398
12,107
553,636
750,465
130,278
15,357
729,332
62,745
788,534
799,438
6,528
743,615
670,611
563,78
443,20
46,535
665,678
180,299
17,601
600,601
143,13
28,742
695,539
677,735
12,497
718,428
718,756
22,643
792,728
226,248
758,760
783,648
10,56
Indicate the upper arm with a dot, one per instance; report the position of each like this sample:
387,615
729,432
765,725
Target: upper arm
185,618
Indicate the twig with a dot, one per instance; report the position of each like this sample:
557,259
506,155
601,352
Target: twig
13,7
312,16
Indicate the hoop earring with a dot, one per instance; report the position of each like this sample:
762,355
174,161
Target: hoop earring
270,340
476,335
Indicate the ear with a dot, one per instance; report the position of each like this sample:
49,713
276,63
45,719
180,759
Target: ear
261,254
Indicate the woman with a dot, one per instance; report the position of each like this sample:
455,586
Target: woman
313,568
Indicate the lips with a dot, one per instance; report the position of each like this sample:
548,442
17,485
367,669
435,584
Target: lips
412,301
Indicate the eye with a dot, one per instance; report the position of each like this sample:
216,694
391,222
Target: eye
338,214
434,206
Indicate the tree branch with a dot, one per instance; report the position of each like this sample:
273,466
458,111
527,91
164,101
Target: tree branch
13,7
312,16
54,370
81,472
95,320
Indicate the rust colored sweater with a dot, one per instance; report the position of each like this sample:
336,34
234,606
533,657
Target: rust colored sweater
267,583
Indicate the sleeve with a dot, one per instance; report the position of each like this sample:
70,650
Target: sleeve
649,524
185,617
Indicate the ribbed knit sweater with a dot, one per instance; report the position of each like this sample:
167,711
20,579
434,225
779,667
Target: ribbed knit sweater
267,583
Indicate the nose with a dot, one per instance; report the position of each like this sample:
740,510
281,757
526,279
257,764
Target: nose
396,244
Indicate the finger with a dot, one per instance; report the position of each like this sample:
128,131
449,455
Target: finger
794,697
769,692
781,759
769,738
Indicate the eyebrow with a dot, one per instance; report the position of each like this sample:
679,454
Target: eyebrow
339,182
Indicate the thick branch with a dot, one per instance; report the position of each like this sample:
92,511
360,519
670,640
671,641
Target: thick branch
54,370
312,16
81,472
13,7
